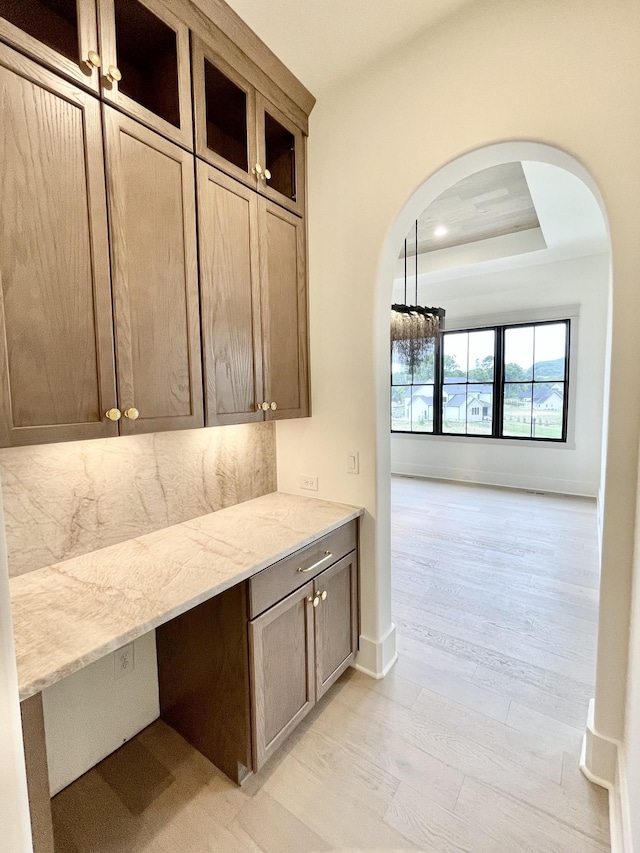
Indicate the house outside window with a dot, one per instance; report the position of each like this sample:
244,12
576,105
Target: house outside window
507,381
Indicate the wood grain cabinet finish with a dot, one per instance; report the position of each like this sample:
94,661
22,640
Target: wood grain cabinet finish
249,682
63,301
151,196
241,132
203,678
145,65
281,644
274,583
336,621
230,298
281,150
298,649
61,34
56,360
254,303
283,277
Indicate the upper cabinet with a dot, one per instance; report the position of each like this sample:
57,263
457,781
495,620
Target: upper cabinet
145,65
281,238
152,216
254,304
56,341
62,34
129,303
241,132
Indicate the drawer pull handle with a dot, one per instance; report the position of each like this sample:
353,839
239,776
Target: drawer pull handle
327,556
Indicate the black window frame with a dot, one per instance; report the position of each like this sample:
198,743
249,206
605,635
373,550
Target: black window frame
498,384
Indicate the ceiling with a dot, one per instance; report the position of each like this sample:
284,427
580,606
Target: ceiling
570,226
325,41
490,203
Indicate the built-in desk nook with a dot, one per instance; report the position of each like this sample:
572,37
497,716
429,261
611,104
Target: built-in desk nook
255,609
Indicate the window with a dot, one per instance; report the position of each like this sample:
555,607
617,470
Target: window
498,382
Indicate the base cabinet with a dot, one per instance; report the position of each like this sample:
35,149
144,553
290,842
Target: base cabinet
281,645
298,649
250,681
336,622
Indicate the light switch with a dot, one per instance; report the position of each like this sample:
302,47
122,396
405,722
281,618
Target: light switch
353,462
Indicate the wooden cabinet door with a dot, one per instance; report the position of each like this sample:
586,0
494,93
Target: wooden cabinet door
225,115
281,155
56,354
230,298
151,196
284,311
282,671
145,65
336,621
62,34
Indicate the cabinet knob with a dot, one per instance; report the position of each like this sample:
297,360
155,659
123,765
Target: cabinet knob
324,595
113,74
113,414
274,406
316,601
257,170
265,407
133,414
93,59
267,175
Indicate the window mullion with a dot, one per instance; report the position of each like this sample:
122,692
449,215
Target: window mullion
437,385
498,387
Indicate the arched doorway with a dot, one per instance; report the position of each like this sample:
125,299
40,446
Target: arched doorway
598,757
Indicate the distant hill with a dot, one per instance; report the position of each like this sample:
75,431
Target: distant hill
553,369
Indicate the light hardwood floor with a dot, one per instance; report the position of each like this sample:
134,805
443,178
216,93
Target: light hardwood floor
470,744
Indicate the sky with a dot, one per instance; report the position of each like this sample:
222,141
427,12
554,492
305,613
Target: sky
523,345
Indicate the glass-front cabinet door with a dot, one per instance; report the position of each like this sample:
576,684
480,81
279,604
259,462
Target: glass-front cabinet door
145,65
62,34
280,156
224,104
242,133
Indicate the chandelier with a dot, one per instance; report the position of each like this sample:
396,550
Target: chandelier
414,329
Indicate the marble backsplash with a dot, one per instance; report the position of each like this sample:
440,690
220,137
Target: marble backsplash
64,500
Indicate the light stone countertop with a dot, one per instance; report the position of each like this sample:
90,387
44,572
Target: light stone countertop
72,613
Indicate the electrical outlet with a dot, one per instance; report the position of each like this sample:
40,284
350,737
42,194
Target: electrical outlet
309,482
353,462
124,661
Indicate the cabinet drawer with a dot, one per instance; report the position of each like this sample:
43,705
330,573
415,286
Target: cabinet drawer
284,577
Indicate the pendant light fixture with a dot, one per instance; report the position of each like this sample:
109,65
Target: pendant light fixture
414,328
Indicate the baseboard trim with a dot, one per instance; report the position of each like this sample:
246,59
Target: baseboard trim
376,657
574,488
599,758
619,814
602,761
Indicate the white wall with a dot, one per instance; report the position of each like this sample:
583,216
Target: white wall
96,710
510,296
561,72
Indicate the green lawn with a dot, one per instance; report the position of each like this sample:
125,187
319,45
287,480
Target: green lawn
547,424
